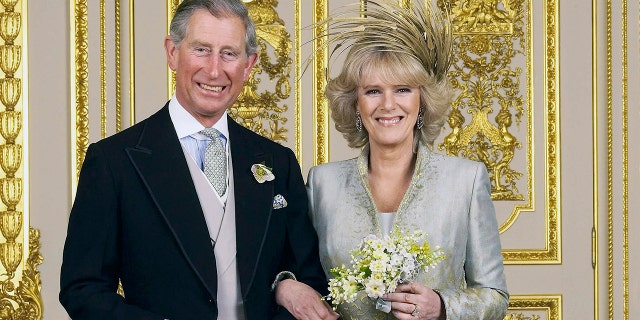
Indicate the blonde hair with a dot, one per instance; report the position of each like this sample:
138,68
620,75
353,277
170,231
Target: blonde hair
404,45
361,61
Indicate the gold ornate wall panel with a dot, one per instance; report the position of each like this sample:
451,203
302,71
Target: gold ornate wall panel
534,307
263,110
80,86
102,99
488,77
265,103
320,66
614,120
171,77
20,286
492,116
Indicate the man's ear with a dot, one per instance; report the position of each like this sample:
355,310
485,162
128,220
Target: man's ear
171,50
251,61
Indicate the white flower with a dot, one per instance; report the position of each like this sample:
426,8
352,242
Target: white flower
388,244
378,266
396,260
374,288
262,173
350,286
380,255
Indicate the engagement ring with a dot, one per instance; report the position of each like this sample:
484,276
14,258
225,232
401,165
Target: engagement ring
415,311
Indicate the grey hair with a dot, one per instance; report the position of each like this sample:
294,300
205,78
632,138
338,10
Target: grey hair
218,8
364,59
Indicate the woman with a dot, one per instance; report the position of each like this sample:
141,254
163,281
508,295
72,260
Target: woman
391,99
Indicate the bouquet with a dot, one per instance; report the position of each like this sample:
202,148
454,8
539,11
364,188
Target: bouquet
380,264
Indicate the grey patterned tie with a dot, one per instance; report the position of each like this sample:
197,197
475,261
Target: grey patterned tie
215,161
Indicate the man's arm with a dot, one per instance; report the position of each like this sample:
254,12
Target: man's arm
302,296
89,277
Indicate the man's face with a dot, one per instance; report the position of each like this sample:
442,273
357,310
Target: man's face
211,65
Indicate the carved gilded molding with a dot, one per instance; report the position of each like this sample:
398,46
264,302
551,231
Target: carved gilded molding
118,50
614,209
132,65
103,71
298,75
263,110
79,82
320,64
171,76
261,106
486,75
610,208
522,307
492,40
20,285
117,103
625,163
552,253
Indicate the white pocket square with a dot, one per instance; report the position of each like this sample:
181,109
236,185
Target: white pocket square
279,202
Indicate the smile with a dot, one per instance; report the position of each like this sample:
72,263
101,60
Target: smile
211,88
389,121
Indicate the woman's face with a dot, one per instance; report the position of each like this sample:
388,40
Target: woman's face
389,111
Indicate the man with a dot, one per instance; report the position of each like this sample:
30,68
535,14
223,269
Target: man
183,243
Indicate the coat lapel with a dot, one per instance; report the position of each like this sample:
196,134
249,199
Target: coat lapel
160,162
253,201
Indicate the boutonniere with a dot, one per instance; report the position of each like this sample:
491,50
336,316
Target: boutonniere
262,173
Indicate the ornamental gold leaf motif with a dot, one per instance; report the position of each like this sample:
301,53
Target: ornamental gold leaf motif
520,316
19,278
488,41
262,111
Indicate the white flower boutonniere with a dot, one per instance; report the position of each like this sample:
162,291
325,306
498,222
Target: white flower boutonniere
262,173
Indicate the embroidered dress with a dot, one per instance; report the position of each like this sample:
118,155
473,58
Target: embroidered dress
448,198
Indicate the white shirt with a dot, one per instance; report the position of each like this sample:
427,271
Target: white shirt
188,131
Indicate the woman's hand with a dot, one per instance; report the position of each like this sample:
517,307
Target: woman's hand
415,301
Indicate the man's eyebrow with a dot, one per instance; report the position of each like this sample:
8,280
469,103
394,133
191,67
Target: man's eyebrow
198,43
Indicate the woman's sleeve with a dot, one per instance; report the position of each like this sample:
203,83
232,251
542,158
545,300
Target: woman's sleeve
486,295
310,194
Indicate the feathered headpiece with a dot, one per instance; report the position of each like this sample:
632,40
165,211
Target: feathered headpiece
422,31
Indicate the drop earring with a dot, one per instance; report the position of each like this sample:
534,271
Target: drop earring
420,121
358,121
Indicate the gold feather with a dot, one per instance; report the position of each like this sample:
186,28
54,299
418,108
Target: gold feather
422,30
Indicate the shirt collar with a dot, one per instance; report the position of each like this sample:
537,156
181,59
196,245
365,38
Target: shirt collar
186,125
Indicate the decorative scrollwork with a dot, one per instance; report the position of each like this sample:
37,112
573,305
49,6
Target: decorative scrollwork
254,109
520,316
489,38
21,302
24,302
550,305
81,64
484,16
